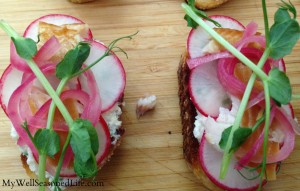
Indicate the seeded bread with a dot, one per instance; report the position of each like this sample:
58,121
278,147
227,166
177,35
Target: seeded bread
188,114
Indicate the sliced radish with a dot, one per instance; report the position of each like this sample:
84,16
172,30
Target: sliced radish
104,140
10,80
211,160
109,75
206,91
198,38
56,19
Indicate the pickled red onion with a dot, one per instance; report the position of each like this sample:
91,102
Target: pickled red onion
249,36
194,62
47,51
226,70
247,157
13,111
39,120
287,147
16,61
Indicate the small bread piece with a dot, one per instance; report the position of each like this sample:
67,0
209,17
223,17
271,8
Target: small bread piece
188,114
145,104
209,4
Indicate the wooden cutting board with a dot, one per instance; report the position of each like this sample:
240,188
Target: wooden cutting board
150,157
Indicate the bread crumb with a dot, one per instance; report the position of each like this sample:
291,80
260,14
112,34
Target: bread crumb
145,104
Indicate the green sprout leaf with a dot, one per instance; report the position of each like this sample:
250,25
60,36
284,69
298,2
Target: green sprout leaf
80,141
239,136
92,134
288,6
202,14
190,22
284,34
84,138
47,141
283,37
94,138
280,87
73,60
86,169
85,145
281,15
26,47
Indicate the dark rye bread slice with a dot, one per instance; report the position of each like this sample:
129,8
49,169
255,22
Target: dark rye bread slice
120,131
188,114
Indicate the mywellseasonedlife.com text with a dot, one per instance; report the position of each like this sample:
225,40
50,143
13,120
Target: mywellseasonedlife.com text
12,183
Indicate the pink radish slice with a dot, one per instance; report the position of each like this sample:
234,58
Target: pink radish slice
211,159
109,75
206,91
198,38
94,107
10,80
56,19
104,140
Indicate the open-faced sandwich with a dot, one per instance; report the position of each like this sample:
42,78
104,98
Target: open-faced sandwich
63,92
238,123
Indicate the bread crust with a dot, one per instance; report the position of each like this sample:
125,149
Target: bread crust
188,114
209,4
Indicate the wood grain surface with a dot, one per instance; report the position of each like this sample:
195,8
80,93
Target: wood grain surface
150,157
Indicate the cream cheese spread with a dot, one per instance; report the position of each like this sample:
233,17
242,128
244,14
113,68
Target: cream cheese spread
214,127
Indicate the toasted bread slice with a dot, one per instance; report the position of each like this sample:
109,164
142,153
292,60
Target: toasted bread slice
209,4
188,114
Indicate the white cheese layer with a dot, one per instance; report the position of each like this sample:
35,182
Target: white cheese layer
113,122
214,127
